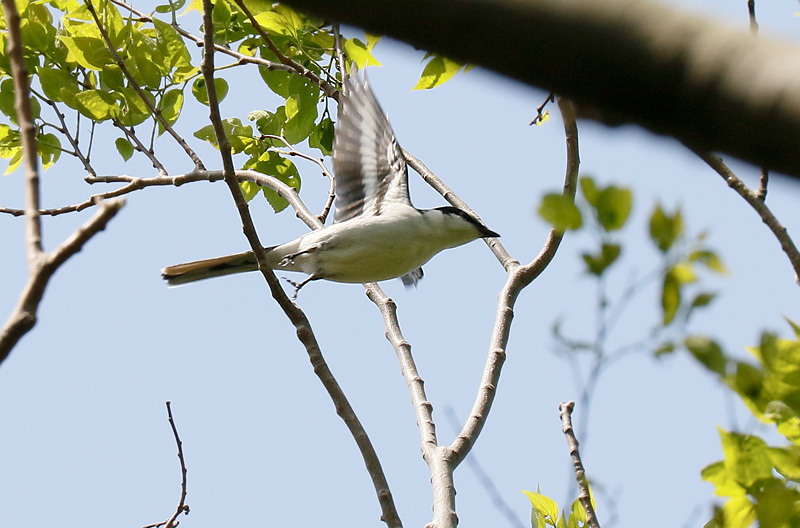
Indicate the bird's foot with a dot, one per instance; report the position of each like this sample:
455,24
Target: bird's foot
298,285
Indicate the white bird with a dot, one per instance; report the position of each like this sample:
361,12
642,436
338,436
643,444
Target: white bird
377,234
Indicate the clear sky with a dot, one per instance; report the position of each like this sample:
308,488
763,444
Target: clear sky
84,439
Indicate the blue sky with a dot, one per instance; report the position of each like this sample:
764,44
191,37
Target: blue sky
84,437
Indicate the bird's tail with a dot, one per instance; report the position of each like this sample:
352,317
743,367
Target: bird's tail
209,268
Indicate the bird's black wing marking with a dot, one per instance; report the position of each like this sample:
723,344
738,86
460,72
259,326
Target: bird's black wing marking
368,164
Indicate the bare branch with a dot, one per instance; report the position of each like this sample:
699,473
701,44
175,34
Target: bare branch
155,111
760,207
23,318
518,278
585,499
298,318
182,506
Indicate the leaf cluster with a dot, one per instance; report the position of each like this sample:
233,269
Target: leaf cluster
545,512
759,481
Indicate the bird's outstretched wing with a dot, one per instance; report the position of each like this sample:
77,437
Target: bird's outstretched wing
369,167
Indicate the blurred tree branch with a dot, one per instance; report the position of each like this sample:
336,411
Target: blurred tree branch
621,62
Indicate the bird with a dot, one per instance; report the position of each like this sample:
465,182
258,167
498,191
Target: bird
377,234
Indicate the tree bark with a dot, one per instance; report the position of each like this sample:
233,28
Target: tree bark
621,61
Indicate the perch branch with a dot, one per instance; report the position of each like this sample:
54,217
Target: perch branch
298,318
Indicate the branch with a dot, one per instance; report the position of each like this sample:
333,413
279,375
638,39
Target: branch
756,202
585,499
622,61
40,264
135,183
23,318
518,278
298,318
182,506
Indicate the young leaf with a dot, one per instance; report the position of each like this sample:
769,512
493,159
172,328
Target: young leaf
598,264
544,505
670,297
589,190
665,229
358,52
560,211
124,148
709,259
708,353
438,71
200,93
613,207
322,137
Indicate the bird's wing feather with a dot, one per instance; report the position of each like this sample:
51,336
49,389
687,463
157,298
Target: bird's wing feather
368,164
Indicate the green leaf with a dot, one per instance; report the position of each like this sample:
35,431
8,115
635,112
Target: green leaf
708,353
598,264
273,164
560,211
746,457
49,149
786,461
322,137
301,109
124,148
670,297
171,44
544,505
665,229
709,259
703,299
89,52
718,475
249,189
438,71
170,106
589,190
57,84
358,52
776,503
613,207
97,105
200,93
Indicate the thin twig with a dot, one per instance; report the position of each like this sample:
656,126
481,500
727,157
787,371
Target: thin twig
298,318
153,109
182,506
760,207
565,410
72,141
551,97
